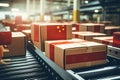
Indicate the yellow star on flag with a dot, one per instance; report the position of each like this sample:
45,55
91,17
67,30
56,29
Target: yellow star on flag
60,28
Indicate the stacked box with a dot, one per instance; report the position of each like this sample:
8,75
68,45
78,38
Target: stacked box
27,33
49,46
18,20
109,30
50,31
86,35
108,40
76,55
116,39
77,27
94,27
10,24
21,27
18,45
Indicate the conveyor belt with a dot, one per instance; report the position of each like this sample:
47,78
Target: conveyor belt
36,66
32,67
24,67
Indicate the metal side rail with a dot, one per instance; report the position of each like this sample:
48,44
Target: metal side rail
108,71
22,68
113,52
53,70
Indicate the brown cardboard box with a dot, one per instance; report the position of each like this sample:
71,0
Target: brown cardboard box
94,27
77,27
49,46
86,35
21,27
27,33
50,31
109,30
18,45
108,40
75,55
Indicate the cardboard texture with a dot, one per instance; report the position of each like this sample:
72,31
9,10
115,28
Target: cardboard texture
108,40
50,31
75,55
18,45
49,46
86,35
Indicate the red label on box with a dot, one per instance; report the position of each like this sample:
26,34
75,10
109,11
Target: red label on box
5,38
96,28
116,45
20,28
76,26
56,32
76,35
36,33
116,39
86,57
52,48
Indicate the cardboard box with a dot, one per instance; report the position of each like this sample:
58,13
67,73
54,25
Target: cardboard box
76,55
27,33
49,46
18,45
86,35
50,31
109,30
94,27
88,27
9,23
108,40
21,27
77,27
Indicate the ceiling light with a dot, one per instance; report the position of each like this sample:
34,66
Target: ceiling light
14,9
86,1
4,4
96,11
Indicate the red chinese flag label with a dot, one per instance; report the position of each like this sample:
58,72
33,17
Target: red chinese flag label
5,38
56,32
86,57
96,28
52,48
20,28
36,33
